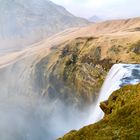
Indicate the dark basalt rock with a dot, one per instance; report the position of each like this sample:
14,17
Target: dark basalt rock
105,108
136,48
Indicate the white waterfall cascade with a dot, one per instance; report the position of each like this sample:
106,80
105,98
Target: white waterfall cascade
118,76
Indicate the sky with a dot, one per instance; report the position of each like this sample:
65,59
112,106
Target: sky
102,8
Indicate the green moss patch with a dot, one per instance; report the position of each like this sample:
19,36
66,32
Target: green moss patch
121,121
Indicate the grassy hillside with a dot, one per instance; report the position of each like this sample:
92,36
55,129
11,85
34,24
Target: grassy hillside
121,120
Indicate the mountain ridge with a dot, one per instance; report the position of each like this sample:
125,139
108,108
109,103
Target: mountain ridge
32,21
95,19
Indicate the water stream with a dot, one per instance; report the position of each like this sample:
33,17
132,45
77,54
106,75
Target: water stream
118,76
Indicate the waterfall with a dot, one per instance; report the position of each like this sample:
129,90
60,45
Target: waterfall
118,76
35,118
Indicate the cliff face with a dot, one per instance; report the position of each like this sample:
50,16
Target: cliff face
121,120
72,71
76,69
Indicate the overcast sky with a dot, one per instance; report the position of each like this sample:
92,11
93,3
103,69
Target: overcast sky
102,8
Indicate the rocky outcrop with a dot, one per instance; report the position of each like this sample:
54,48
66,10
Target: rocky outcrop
136,48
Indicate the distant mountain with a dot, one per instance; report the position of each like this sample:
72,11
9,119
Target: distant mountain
32,20
95,19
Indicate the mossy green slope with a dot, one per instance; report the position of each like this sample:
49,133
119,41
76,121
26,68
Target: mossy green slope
121,120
